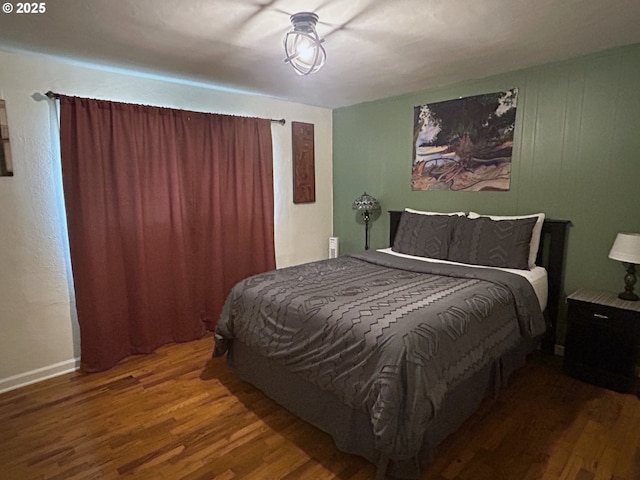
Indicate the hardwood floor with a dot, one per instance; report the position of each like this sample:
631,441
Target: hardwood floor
176,414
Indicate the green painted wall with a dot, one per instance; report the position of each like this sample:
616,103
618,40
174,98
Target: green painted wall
576,156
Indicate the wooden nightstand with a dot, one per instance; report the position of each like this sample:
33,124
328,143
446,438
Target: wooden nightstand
602,345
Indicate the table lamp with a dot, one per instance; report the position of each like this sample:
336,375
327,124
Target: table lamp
366,204
626,249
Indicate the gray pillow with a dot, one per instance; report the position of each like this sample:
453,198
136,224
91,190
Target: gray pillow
495,243
424,235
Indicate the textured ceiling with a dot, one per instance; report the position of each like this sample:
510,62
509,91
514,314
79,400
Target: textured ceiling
375,48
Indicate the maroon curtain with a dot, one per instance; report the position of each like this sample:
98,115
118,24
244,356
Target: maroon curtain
166,211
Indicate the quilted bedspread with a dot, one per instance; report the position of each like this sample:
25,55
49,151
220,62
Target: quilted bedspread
384,334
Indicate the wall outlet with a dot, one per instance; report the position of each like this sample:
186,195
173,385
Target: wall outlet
558,350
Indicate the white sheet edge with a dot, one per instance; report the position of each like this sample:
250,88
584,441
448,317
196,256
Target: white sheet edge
537,276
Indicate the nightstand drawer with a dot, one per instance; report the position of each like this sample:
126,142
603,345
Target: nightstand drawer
595,313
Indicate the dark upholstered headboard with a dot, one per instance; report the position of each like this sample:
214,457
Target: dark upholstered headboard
551,255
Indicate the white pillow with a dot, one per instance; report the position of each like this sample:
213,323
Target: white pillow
536,233
421,212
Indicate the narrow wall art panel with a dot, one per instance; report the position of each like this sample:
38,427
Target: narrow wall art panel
304,176
6,166
464,144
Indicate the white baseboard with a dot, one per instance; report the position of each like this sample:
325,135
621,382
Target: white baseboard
38,375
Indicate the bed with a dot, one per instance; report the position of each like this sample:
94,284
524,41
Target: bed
389,352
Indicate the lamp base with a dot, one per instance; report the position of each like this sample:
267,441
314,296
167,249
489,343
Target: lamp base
630,297
629,282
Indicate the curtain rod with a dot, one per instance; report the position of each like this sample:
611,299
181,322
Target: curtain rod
56,96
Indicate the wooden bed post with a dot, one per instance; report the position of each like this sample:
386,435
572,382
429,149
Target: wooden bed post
552,256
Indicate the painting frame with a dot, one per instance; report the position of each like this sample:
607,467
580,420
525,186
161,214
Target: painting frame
6,163
465,144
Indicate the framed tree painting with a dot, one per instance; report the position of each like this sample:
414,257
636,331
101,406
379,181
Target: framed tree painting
464,144
6,167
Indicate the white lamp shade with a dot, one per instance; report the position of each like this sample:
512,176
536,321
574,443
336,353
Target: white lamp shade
626,248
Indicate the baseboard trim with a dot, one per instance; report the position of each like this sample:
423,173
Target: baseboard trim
38,375
558,350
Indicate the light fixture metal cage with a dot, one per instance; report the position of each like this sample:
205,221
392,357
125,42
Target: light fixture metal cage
302,45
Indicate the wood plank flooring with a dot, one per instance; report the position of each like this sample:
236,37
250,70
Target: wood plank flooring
179,415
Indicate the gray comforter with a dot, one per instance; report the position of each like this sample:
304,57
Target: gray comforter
384,334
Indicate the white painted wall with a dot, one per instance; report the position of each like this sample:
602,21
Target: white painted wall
38,327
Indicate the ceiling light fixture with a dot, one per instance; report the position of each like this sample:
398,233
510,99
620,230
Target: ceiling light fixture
303,46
